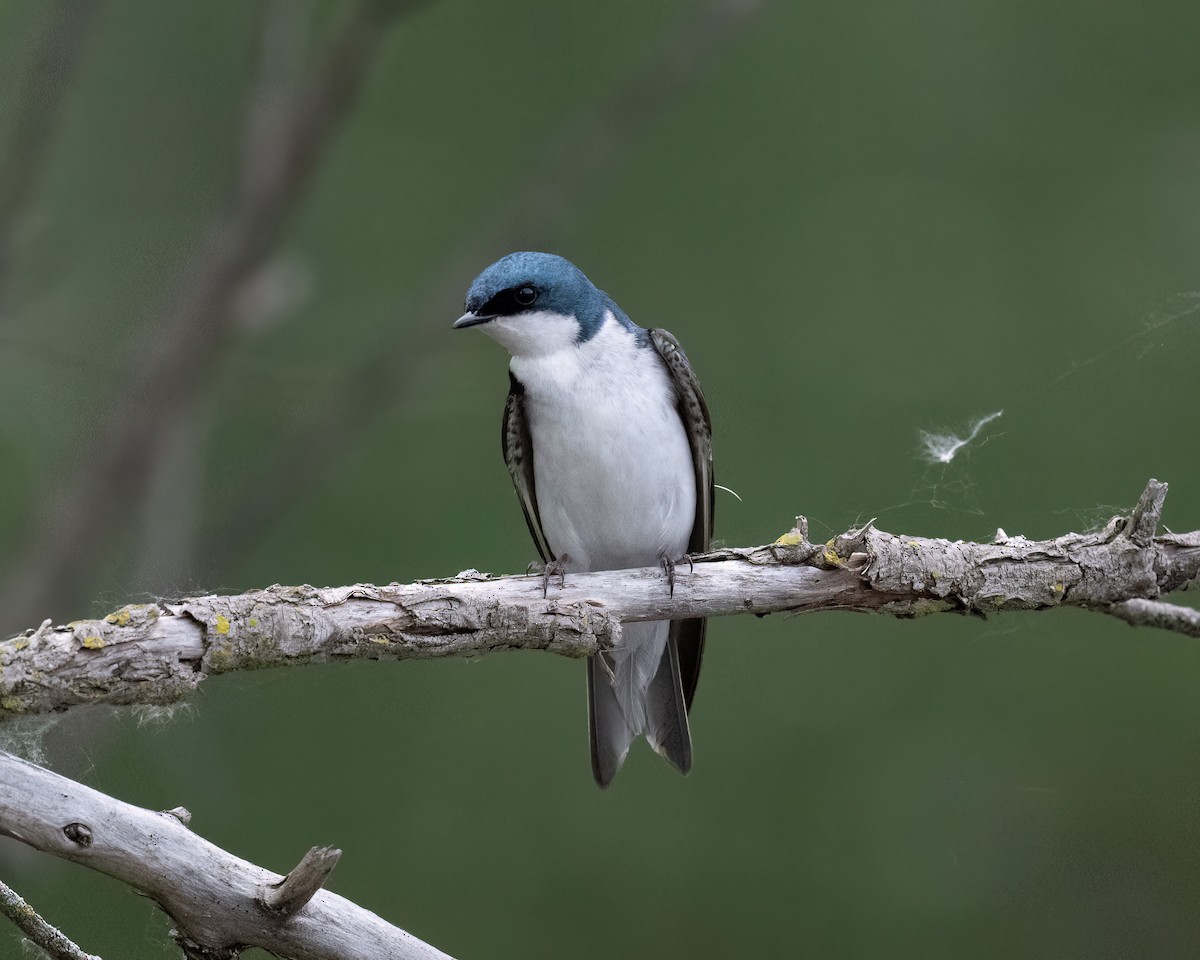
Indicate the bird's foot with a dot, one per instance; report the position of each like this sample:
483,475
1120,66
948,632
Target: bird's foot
553,569
669,565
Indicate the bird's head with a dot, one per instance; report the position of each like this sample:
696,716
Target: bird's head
535,304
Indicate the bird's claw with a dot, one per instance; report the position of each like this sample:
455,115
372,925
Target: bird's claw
553,569
668,566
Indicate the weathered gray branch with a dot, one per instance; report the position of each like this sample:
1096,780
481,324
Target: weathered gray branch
291,893
53,942
215,899
157,653
1156,613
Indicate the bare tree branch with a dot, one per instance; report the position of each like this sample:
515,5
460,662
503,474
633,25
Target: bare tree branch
50,939
290,894
214,898
1155,613
196,323
157,653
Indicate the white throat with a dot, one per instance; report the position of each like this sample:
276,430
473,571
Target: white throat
536,334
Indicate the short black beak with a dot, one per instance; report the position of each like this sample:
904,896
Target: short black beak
473,320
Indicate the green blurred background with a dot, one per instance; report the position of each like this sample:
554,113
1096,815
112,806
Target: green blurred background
864,221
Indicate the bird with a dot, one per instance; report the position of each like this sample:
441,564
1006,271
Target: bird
608,440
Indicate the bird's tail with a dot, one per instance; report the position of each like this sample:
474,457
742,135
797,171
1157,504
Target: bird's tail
639,689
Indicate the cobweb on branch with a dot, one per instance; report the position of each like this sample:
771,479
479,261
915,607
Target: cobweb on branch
1178,307
160,715
944,447
25,737
947,483
1164,335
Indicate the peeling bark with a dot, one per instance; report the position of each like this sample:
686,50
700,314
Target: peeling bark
158,653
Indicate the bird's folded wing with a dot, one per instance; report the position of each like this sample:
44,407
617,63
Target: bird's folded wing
518,456
693,411
688,635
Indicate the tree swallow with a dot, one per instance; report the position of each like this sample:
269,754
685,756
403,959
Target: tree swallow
607,438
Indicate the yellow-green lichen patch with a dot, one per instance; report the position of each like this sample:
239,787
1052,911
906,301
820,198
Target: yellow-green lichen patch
21,643
12,705
120,617
254,621
383,641
222,624
790,539
830,555
93,643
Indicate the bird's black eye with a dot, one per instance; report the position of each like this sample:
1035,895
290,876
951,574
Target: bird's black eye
525,295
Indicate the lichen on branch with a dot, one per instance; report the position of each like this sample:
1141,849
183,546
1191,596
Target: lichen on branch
157,653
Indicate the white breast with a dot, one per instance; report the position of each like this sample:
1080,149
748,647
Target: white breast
614,477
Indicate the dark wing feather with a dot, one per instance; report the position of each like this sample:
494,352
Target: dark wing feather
518,456
689,634
696,421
